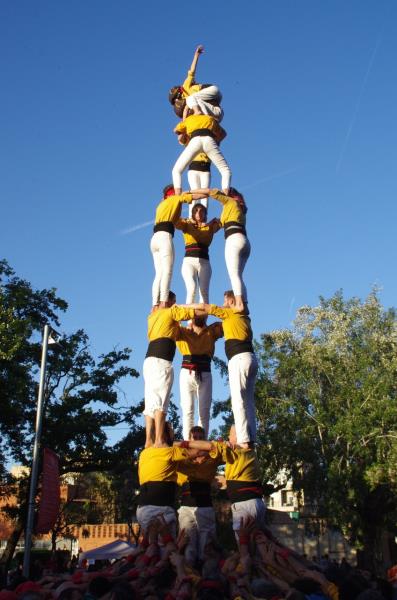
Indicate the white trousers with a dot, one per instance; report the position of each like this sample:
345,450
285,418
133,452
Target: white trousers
158,375
198,180
196,273
146,514
242,370
199,524
162,248
202,98
201,143
255,508
237,251
191,388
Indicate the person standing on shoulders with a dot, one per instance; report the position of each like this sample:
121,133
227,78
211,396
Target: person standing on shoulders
158,372
162,245
242,364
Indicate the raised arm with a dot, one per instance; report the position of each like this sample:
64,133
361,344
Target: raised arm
193,66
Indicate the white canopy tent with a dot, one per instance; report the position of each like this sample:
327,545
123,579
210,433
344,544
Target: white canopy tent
116,549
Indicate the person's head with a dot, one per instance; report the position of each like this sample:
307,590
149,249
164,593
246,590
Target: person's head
171,298
229,300
199,321
233,193
233,435
197,433
168,191
175,96
199,213
168,433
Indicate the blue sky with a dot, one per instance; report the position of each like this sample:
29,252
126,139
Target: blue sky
86,146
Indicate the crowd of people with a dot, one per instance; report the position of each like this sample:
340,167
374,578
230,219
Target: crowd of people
158,569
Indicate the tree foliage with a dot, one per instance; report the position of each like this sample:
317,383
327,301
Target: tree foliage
82,393
327,411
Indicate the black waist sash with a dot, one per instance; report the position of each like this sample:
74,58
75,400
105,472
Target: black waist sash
196,251
238,491
233,227
197,362
162,348
167,226
233,347
158,493
200,165
196,493
199,132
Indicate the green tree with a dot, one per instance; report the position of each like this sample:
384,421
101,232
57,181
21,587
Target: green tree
327,413
82,395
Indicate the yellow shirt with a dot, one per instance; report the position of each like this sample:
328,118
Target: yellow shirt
170,208
231,209
194,233
191,343
235,326
159,464
189,85
188,470
193,122
163,322
240,464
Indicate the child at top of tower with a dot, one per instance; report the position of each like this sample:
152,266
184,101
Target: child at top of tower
201,98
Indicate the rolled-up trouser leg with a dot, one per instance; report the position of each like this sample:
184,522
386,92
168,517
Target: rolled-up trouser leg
254,508
158,375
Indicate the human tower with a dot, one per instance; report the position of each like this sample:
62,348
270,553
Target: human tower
193,463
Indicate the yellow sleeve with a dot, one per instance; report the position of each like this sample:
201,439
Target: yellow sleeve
218,451
221,197
219,311
179,313
186,197
189,82
179,454
181,127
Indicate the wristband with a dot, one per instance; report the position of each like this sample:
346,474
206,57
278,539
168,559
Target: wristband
185,444
244,540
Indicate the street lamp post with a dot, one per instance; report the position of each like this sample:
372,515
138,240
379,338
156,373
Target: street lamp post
35,459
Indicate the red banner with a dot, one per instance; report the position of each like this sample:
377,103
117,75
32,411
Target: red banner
50,495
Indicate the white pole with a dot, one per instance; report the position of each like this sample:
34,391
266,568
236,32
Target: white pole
35,460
